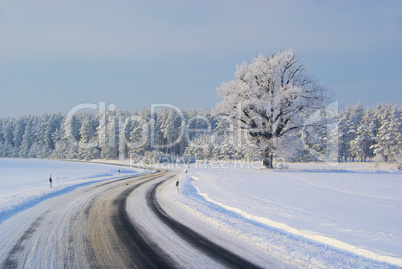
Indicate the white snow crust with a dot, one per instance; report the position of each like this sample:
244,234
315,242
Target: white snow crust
308,215
25,182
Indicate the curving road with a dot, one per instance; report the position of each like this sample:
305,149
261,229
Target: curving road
117,224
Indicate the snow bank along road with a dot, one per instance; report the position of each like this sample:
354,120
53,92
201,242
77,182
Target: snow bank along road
114,224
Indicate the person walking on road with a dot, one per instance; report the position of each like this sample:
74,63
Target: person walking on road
50,181
177,185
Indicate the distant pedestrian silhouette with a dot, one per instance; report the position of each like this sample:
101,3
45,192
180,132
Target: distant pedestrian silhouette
177,186
50,181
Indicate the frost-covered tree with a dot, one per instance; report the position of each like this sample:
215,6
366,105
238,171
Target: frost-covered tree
349,122
70,137
61,144
137,134
53,124
267,98
27,141
88,146
363,133
1,132
360,145
198,134
355,120
19,131
200,147
227,149
389,139
9,132
166,126
108,134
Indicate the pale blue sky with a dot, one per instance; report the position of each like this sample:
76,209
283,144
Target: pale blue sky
57,54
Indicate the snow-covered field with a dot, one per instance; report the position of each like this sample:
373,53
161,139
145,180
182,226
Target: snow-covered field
316,215
24,183
310,215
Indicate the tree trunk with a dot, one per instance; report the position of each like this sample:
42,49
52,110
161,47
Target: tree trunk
268,157
268,161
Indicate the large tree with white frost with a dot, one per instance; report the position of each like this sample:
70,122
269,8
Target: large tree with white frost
270,98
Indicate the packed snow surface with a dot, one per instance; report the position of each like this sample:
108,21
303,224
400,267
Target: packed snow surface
24,183
320,214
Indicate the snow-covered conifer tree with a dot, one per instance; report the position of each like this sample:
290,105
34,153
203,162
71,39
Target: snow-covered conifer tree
389,139
88,146
138,133
360,145
27,141
19,131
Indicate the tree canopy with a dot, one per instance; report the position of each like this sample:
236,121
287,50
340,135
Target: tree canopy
267,99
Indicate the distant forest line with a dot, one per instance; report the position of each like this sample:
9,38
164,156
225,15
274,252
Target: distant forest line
363,134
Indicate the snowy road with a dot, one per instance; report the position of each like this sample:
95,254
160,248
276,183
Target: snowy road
114,224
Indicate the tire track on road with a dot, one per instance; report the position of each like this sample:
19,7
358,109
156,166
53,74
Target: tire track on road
116,242
91,228
200,242
87,229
